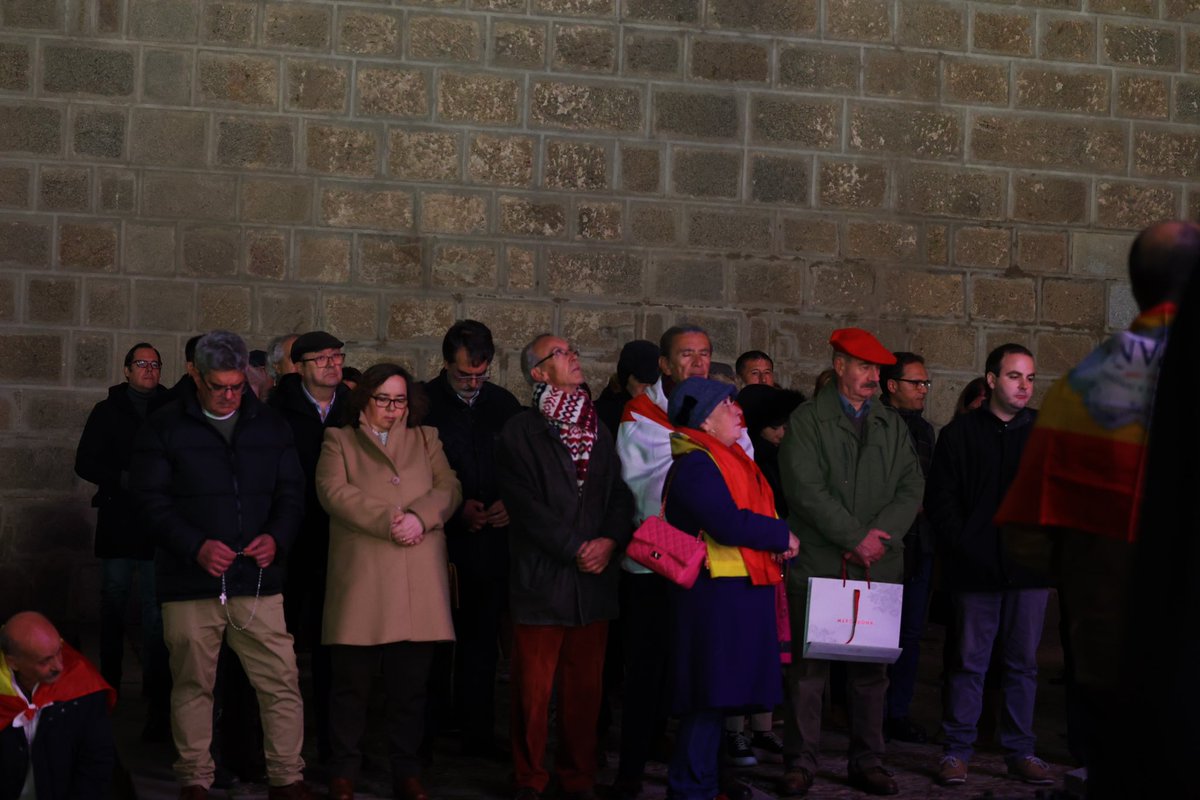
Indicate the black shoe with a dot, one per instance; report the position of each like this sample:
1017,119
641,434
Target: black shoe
736,790
903,729
627,788
874,780
796,782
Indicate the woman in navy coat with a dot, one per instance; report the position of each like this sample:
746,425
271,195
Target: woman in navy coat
725,646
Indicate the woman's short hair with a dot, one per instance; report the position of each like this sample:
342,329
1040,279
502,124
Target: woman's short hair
374,377
221,351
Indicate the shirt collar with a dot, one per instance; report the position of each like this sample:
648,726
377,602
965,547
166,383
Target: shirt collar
321,412
849,409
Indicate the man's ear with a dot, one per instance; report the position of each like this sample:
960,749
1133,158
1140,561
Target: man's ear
664,365
990,380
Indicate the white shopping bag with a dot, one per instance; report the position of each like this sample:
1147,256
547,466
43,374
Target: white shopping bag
853,620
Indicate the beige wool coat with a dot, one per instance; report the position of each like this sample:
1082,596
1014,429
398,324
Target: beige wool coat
378,591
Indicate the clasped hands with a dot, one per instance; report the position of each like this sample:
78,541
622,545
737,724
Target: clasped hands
870,549
215,556
406,528
477,515
594,555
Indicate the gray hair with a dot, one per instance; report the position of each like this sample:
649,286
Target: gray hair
220,351
529,358
275,353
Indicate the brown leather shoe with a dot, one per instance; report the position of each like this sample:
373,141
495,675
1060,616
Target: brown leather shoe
193,793
411,789
293,791
874,780
341,789
796,782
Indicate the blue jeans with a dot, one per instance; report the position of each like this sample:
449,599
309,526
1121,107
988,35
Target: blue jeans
692,773
118,579
1014,620
902,675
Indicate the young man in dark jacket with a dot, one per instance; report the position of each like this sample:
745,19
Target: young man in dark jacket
124,546
570,517
217,478
995,599
469,412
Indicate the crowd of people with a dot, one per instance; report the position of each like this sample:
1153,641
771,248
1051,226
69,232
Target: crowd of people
277,501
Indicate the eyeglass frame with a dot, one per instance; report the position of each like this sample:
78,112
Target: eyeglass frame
228,391
927,383
144,363
332,360
558,351
454,374
382,401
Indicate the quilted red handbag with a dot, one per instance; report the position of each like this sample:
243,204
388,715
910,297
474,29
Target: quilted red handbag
662,548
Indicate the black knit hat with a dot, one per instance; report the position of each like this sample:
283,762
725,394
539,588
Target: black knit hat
767,406
639,358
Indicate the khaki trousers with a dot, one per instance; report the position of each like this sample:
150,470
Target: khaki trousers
193,630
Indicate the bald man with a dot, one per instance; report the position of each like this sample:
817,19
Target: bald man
55,736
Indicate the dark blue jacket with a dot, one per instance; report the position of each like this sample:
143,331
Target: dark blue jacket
192,486
73,752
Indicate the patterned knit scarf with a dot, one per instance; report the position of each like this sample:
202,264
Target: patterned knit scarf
575,417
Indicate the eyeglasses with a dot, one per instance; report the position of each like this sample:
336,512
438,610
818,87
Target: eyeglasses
383,401
558,351
228,391
463,377
142,363
917,383
337,359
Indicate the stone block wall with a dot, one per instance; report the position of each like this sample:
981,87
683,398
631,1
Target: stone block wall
949,173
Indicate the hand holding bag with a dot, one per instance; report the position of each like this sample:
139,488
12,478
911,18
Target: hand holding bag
662,548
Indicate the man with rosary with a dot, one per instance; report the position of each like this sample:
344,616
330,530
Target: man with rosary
219,483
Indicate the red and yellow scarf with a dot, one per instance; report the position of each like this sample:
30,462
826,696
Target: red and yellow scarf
77,679
1085,461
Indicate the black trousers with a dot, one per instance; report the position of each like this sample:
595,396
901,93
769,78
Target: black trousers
405,670
482,600
645,617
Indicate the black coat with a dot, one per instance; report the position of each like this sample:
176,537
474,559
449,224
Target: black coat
919,541
102,458
73,752
974,462
311,551
469,435
192,486
551,518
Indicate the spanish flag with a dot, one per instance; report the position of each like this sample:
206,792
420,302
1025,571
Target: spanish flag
78,678
1085,460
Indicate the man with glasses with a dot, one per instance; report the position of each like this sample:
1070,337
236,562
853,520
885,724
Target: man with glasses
311,400
905,386
469,411
123,544
561,483
218,482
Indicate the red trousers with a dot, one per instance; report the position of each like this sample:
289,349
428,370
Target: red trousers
571,660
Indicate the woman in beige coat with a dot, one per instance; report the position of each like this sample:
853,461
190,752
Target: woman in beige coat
388,489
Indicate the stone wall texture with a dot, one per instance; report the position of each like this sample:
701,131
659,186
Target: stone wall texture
950,174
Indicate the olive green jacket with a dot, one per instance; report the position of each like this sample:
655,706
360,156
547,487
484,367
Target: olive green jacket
838,488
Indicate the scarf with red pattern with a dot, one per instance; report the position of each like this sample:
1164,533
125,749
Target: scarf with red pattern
574,416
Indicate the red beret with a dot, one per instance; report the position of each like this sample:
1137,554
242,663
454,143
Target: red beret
862,345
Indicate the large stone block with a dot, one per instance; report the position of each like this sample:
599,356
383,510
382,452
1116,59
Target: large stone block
423,155
809,125
392,92
579,8
1143,96
265,255
640,169
389,261
952,192
453,213
766,16
706,173
932,24
164,20
881,241
369,33
211,251
1059,352
228,79
518,44
585,48
729,60
810,235
582,106
223,306
1100,255
444,38
922,294
692,280
1069,39
14,67
653,54
255,143
1091,146
859,20
1003,299
599,221
853,184
284,200
24,243
1076,92
818,68
976,82
1135,206
98,133
758,284
149,249
28,357
780,179
285,310
52,301
169,138
1166,154
92,367
229,23
14,186
167,77
65,189
421,318
523,216
68,69
905,131
89,246
522,267
841,287
479,98
729,229
118,190
950,347
1045,198
1146,46
35,14
190,195
1042,251
352,317
501,160
322,258
651,223
598,329
164,305
680,11
30,129
691,115
594,273
373,207
1074,303
571,164
45,469
317,86
342,150
106,303
990,248
463,266
1122,308
907,76
296,26
1187,101
1007,33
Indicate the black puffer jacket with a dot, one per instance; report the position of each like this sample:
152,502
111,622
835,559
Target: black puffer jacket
102,458
551,519
192,486
974,462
